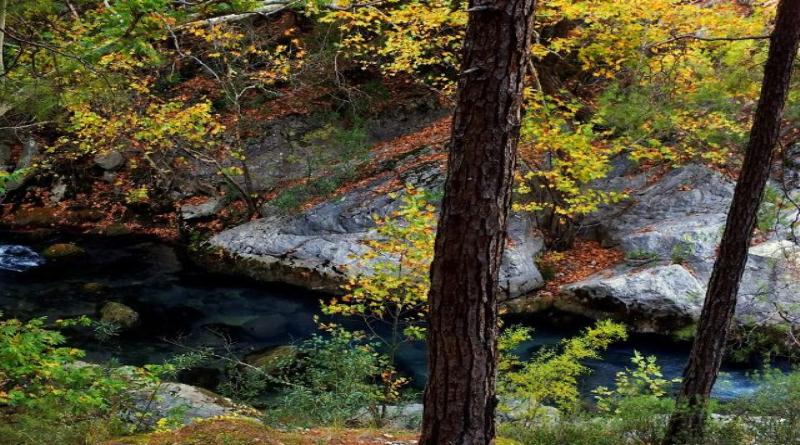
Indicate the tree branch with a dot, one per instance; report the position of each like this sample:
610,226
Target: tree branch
704,39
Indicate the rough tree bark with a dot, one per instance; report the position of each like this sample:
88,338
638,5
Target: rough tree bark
460,395
687,422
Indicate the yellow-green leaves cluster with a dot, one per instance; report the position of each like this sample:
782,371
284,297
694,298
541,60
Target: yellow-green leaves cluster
561,158
550,376
420,38
395,292
645,379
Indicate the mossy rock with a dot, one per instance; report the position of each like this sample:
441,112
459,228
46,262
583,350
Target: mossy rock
270,360
119,314
63,251
94,288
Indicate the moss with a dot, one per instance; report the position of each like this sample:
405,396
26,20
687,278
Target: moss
63,251
119,314
272,359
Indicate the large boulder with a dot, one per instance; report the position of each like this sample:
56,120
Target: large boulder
651,299
678,218
166,400
319,248
670,231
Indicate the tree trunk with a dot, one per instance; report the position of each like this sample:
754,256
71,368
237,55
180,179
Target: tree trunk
3,12
687,422
460,395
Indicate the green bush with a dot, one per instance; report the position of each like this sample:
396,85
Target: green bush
551,376
46,395
334,380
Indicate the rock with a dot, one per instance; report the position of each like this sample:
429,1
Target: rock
679,217
677,222
113,229
791,157
770,290
33,216
190,402
94,288
272,359
30,150
110,160
119,314
203,210
400,417
319,248
51,216
58,191
63,251
652,300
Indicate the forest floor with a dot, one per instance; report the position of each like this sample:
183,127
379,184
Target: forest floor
249,432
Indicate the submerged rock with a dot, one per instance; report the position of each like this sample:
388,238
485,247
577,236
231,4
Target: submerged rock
119,314
63,251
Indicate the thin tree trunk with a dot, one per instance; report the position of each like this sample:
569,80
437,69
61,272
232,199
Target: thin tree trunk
460,395
687,422
3,12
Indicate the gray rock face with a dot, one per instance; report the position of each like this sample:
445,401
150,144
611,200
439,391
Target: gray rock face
204,210
58,191
110,160
319,248
679,218
675,224
190,402
30,149
651,299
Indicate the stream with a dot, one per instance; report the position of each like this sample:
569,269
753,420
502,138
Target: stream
182,304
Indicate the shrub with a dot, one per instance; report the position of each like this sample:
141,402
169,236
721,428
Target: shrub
334,380
46,395
551,376
394,294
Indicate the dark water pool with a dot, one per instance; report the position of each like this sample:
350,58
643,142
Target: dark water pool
181,303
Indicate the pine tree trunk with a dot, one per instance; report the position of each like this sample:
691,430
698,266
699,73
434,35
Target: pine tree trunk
687,422
460,396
